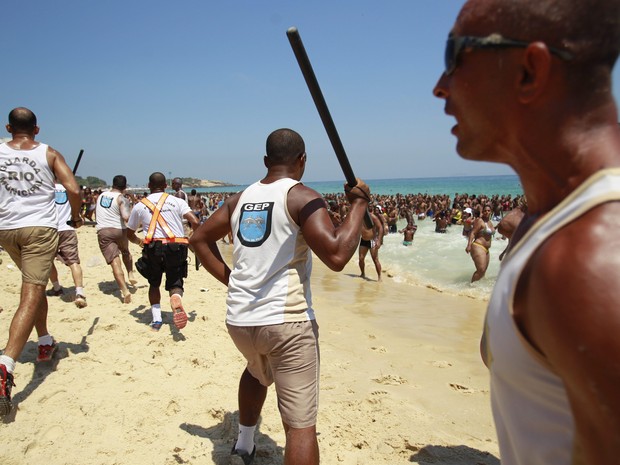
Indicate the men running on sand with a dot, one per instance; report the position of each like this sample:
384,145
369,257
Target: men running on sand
28,233
112,213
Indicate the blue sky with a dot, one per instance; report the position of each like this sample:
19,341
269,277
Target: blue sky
193,87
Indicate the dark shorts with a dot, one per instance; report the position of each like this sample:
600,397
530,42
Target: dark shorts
168,259
68,247
112,243
365,243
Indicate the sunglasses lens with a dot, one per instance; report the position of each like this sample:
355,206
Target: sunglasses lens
450,55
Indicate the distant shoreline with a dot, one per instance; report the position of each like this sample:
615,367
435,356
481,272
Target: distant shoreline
203,183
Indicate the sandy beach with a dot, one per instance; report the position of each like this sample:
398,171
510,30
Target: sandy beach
401,376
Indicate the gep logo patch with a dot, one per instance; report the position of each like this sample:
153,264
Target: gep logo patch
255,223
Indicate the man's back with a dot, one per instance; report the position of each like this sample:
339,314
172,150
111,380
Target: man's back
269,282
108,212
26,187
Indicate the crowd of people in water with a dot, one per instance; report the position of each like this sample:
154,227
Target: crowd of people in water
444,210
479,215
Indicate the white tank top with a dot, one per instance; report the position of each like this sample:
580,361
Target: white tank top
26,188
108,212
530,407
270,280
63,208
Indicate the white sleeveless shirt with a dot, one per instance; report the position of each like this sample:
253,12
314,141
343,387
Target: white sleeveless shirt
270,280
108,212
532,415
26,188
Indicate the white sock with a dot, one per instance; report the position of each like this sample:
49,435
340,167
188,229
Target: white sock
79,291
46,340
156,311
245,441
8,362
56,285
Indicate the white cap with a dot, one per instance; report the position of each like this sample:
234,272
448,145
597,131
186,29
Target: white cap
468,210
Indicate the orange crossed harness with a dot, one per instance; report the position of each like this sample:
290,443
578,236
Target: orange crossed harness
157,218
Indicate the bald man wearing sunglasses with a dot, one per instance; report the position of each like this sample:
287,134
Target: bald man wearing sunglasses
529,84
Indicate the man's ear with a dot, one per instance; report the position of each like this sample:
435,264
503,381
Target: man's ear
536,70
266,161
36,130
9,129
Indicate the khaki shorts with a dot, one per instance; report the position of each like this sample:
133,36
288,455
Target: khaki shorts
112,243
287,354
33,250
68,247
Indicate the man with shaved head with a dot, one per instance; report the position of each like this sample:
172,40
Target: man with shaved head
529,84
28,232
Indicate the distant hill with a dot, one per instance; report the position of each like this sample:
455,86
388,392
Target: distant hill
193,182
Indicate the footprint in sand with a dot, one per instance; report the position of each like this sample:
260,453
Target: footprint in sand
392,380
380,349
173,408
461,388
440,364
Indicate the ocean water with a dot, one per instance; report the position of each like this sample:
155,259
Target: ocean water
438,261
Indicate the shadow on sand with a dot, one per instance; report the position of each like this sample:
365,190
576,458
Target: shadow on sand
452,455
224,435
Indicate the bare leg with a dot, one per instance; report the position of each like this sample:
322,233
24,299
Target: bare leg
54,273
76,273
154,295
128,262
302,447
119,276
481,260
361,258
251,398
32,309
374,253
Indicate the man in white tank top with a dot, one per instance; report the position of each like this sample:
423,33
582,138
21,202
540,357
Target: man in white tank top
277,222
28,232
529,84
112,213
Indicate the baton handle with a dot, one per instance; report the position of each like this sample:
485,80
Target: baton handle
321,106
77,163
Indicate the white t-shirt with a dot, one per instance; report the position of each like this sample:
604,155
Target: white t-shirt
172,211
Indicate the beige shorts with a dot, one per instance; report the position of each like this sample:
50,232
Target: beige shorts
112,243
287,355
33,250
68,247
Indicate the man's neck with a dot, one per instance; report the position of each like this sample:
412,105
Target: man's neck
22,141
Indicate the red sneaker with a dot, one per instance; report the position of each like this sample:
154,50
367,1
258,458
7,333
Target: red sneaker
46,352
6,383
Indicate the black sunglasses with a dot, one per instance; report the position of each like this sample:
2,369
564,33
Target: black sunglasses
456,44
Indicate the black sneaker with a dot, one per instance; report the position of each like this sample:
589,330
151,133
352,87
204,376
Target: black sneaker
244,456
6,383
52,293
